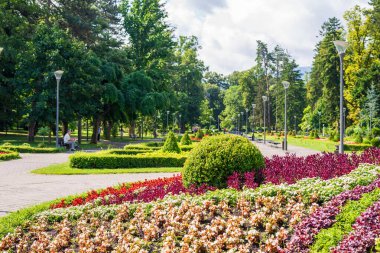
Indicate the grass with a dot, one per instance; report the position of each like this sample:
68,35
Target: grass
65,169
314,144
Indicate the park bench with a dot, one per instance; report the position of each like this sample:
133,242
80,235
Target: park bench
62,144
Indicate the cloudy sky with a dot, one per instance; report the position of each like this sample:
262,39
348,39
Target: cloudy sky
228,29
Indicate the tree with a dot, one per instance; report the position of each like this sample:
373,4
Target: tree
323,87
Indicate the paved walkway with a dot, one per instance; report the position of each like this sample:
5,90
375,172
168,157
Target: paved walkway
269,150
19,188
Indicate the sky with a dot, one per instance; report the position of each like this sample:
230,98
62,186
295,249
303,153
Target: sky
228,29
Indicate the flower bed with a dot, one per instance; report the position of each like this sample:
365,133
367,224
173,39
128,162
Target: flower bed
365,231
324,217
218,221
145,191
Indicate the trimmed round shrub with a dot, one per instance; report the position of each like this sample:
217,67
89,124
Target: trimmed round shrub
376,132
200,134
215,158
41,145
375,142
171,145
186,139
358,138
25,144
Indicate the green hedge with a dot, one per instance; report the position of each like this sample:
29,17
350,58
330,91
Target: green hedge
97,160
127,151
356,147
140,147
27,149
186,148
10,155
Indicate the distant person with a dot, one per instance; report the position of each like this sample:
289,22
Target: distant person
68,140
99,131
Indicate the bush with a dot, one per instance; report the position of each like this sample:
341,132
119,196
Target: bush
98,160
199,134
6,155
25,144
154,144
186,148
376,142
356,147
186,139
28,149
7,144
127,151
350,131
171,145
216,158
139,147
41,145
376,132
358,138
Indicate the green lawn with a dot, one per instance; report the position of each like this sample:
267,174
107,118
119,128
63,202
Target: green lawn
65,169
314,144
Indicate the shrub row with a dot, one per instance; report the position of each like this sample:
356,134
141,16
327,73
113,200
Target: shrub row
8,155
356,147
28,149
88,161
127,151
140,147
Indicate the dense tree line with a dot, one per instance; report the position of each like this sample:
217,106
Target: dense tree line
124,67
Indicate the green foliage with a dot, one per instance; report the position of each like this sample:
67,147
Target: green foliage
43,131
375,142
153,144
376,132
199,134
330,237
185,140
217,157
356,147
171,145
9,155
28,149
140,147
41,145
127,151
83,160
358,138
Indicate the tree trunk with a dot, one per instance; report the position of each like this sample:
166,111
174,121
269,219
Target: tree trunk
107,129
65,127
132,128
95,127
79,130
31,131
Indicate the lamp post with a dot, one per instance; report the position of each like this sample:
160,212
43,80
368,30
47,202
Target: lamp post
295,125
58,75
344,121
319,127
242,122
253,118
167,120
265,99
341,47
246,121
179,123
286,86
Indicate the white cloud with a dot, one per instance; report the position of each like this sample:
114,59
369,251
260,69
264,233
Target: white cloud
228,29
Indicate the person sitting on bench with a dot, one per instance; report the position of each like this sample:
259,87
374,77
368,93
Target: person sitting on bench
69,141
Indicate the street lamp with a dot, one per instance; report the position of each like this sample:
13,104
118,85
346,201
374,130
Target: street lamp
253,118
265,99
344,121
246,121
341,47
167,120
58,75
242,122
286,86
179,123
319,113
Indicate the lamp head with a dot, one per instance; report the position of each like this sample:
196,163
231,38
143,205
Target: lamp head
1,50
58,74
265,98
286,84
340,46
246,110
167,112
253,106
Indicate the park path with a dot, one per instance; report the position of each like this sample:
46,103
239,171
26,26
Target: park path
19,188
